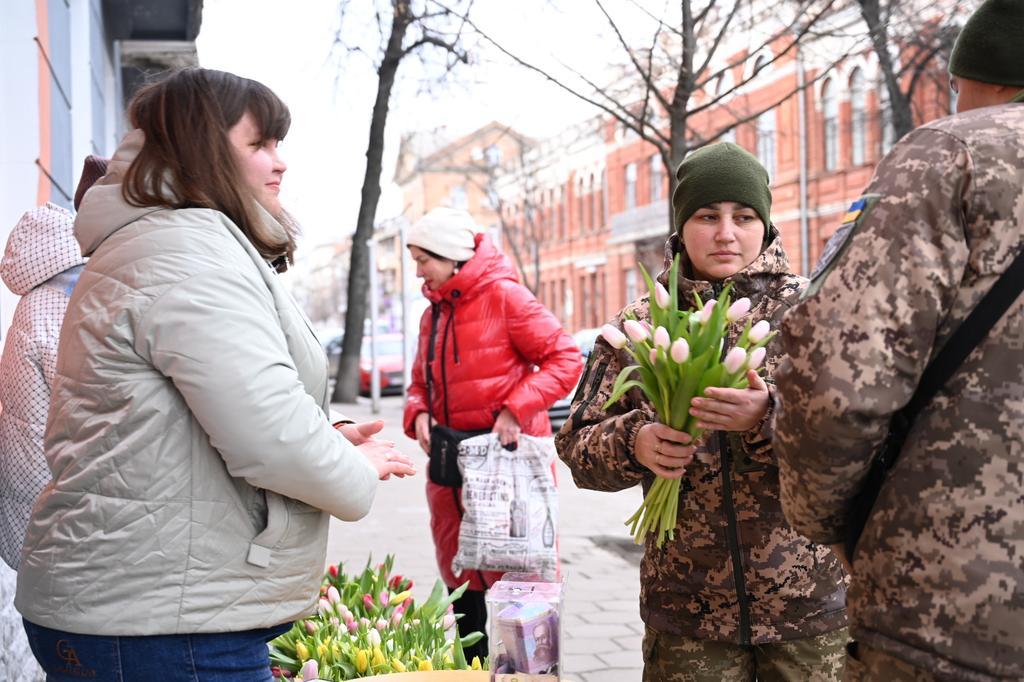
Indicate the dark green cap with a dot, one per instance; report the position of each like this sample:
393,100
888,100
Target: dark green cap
990,48
721,172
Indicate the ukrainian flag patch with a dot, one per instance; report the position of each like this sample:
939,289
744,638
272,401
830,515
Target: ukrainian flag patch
856,208
840,239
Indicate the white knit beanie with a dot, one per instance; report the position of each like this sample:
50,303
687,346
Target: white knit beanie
448,232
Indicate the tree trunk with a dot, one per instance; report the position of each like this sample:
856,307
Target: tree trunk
899,102
346,385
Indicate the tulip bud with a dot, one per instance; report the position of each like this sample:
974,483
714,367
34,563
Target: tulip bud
738,309
705,313
448,622
310,626
756,358
653,356
384,597
368,602
613,336
426,665
680,350
378,655
323,608
322,651
635,330
380,624
335,621
397,665
302,651
661,338
310,670
735,359
759,331
352,626
401,597
362,661
396,617
365,622
332,595
661,295
332,570
374,637
476,665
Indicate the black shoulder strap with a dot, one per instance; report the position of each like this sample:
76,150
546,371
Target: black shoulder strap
971,332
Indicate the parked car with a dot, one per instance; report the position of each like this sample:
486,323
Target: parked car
390,361
559,412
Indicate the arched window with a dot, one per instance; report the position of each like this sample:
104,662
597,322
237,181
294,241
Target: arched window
830,110
630,186
760,64
657,178
592,221
858,118
766,141
602,221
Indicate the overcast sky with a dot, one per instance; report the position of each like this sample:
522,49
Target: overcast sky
288,47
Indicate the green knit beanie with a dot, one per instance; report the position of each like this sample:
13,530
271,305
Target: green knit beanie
721,172
990,48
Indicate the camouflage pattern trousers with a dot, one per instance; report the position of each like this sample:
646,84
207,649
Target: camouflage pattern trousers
670,658
867,664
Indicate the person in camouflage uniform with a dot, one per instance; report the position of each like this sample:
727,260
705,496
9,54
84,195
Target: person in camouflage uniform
737,593
938,576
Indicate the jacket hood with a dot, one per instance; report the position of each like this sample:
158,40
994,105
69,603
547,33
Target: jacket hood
40,246
488,265
104,210
751,281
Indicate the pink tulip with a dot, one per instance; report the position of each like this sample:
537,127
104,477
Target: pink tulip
323,607
680,350
396,617
661,296
335,621
310,670
352,626
368,602
635,331
738,309
310,627
385,598
381,624
661,338
756,358
448,622
709,308
654,356
735,359
332,595
759,331
613,336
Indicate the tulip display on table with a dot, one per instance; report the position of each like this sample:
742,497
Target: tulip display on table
678,355
369,624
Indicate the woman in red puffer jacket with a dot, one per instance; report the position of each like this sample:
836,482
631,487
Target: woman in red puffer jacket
499,360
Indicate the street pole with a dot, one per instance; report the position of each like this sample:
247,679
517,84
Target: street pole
408,333
801,94
371,246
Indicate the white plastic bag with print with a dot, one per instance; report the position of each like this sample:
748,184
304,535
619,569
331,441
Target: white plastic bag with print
510,519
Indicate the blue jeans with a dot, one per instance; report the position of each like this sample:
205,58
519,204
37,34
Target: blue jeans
221,657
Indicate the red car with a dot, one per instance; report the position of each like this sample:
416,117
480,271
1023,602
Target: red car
390,363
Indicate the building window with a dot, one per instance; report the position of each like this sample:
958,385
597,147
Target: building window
630,186
858,118
830,109
580,204
457,198
492,155
766,141
630,286
601,207
561,213
657,181
593,222
888,136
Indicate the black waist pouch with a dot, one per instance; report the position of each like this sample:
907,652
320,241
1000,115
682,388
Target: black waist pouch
443,468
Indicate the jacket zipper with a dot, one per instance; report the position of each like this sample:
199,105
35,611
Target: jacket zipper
732,528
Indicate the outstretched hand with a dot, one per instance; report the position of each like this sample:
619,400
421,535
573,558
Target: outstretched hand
381,453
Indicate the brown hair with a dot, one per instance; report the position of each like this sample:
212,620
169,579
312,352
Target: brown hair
185,117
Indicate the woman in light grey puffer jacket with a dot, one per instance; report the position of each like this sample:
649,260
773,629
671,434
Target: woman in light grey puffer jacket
194,464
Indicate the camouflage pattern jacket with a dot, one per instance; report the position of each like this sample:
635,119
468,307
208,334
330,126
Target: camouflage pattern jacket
939,572
736,571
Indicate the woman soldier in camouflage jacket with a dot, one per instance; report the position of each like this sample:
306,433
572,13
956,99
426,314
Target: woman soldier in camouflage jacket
737,594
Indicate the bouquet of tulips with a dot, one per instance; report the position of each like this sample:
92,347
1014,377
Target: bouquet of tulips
677,356
369,624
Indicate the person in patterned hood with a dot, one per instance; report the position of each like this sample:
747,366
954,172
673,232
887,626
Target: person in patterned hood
737,594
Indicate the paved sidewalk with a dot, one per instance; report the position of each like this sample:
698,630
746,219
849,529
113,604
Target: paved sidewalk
602,630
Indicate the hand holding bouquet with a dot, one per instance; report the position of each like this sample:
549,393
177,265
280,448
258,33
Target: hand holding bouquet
678,356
